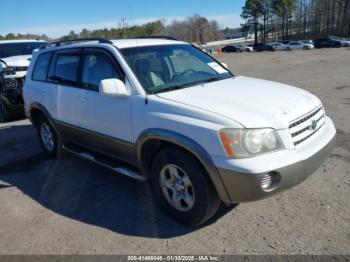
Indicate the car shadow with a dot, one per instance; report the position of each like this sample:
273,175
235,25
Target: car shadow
91,194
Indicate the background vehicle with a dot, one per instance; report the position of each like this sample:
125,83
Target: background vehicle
298,45
233,49
15,57
285,42
307,42
347,42
249,48
261,47
278,46
327,42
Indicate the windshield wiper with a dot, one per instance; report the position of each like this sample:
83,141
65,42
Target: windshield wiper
170,88
213,79
176,87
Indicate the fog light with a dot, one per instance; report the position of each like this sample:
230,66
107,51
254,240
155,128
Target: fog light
270,181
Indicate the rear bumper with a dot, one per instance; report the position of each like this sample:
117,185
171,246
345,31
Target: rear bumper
244,186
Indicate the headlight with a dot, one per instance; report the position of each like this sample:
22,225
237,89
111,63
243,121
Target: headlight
2,66
242,143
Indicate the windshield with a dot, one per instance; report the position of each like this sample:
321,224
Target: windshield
169,67
15,49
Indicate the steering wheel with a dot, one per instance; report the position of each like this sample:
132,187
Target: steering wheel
188,72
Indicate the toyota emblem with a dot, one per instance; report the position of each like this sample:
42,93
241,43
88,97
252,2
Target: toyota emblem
313,125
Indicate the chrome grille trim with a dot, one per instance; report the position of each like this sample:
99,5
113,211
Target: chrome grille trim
307,137
301,130
306,128
305,118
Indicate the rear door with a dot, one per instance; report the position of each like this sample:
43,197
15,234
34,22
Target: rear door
64,74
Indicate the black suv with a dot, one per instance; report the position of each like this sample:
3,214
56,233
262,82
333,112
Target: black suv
231,49
15,57
260,47
327,42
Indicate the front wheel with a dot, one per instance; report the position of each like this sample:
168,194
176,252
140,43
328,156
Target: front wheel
49,140
182,186
6,112
306,48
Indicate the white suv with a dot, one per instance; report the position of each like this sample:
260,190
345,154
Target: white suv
163,110
15,56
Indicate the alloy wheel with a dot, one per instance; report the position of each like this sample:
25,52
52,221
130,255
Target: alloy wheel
47,137
177,187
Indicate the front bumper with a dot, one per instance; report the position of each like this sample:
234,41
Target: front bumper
243,184
12,99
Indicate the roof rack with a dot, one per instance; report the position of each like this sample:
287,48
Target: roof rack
59,43
158,37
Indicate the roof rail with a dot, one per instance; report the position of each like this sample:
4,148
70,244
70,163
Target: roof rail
158,37
59,43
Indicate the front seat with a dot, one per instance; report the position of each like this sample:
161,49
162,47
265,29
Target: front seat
147,78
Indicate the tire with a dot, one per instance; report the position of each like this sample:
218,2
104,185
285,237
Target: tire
306,48
49,140
203,201
6,112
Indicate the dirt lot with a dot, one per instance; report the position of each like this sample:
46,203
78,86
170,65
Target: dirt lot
70,206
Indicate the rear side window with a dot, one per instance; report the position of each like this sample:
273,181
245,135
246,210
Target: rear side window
41,67
97,67
66,69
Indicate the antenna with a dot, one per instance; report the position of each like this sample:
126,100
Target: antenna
123,22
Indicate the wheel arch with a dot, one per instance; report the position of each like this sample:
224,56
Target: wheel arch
156,139
37,110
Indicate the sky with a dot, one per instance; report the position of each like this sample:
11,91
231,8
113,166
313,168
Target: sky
57,17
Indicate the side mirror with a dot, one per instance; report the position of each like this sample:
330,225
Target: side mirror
113,87
224,65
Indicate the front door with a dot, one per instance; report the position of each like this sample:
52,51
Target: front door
107,120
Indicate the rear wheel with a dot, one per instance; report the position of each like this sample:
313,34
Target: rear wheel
182,186
49,140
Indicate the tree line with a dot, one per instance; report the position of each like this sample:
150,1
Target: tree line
12,36
296,19
195,28
268,19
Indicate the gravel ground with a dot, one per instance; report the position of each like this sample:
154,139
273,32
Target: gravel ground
70,206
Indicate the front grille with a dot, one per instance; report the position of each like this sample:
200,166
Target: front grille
306,126
18,68
13,83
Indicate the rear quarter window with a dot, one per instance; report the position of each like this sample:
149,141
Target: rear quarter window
41,67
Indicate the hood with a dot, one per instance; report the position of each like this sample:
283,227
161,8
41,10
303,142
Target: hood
254,103
17,61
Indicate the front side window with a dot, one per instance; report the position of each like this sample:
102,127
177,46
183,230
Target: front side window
97,67
41,67
169,67
16,49
66,69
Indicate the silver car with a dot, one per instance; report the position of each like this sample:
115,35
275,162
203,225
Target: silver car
298,45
